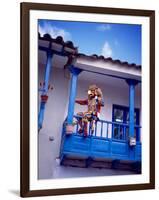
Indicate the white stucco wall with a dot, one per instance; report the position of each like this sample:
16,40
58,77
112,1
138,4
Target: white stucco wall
53,119
115,91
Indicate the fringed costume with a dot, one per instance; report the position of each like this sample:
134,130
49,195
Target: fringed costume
94,103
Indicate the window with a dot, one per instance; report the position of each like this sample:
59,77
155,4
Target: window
120,129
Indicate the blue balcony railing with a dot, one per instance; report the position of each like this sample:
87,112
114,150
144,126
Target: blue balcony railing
109,130
109,141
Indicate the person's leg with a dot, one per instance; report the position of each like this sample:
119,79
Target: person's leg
85,123
92,123
86,118
80,122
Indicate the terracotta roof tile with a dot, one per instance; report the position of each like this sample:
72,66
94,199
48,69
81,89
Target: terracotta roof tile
109,59
69,44
58,40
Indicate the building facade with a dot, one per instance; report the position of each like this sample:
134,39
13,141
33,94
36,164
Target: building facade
115,146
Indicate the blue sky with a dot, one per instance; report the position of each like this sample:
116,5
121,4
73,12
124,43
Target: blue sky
119,41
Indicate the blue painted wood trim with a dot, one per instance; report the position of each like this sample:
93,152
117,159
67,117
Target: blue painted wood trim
41,115
132,84
73,87
47,70
131,109
45,88
72,97
77,145
114,149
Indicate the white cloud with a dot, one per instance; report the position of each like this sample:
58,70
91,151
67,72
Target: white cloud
104,27
54,31
107,50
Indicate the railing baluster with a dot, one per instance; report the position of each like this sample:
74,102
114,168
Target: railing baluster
89,130
124,133
77,128
115,127
118,131
107,130
96,128
138,131
112,135
101,133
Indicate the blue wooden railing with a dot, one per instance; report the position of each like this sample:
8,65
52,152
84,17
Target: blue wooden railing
109,130
109,141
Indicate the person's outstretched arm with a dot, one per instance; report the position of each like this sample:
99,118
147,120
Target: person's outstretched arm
82,102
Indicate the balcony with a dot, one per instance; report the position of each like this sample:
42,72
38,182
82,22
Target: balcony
108,147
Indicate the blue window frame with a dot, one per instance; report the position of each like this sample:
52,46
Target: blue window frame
120,116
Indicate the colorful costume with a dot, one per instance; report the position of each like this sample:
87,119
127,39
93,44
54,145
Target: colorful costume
94,103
